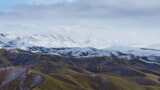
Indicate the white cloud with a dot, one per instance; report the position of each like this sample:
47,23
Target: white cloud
122,21
114,3
132,3
49,2
88,8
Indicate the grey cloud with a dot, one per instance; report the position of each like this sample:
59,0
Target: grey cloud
86,9
139,12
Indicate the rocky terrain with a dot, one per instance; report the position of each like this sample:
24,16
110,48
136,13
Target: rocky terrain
25,70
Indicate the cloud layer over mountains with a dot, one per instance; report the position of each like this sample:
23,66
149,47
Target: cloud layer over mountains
127,21
90,8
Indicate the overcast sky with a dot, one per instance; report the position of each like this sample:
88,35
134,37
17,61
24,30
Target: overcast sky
127,21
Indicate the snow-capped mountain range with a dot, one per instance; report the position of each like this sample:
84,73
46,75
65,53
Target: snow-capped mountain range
59,40
65,46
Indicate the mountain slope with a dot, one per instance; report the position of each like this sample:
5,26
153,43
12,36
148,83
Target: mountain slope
70,73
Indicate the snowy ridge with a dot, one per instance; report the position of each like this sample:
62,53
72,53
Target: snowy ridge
147,55
65,46
71,52
24,41
49,40
58,39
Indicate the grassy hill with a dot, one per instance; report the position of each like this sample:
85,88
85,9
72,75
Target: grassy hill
50,72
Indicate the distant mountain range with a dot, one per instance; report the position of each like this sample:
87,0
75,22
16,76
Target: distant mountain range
66,46
61,39
47,62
